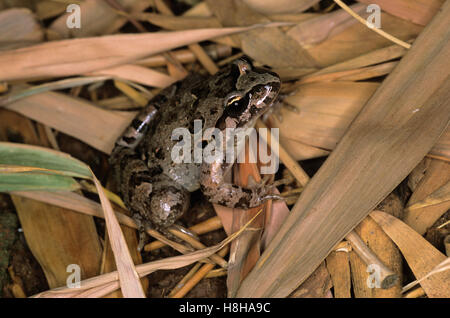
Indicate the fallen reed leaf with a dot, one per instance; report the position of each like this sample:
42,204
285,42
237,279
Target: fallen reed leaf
63,58
420,217
106,283
383,143
379,31
50,86
422,257
130,284
417,11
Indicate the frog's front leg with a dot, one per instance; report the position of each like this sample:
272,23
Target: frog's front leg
220,192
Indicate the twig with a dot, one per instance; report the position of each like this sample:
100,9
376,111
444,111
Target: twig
209,225
198,51
198,245
202,272
186,277
387,277
379,31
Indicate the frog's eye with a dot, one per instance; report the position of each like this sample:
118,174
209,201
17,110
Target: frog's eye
233,101
236,105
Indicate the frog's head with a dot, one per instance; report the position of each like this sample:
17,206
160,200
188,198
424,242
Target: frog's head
255,91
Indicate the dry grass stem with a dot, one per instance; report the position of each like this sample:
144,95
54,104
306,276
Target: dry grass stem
379,31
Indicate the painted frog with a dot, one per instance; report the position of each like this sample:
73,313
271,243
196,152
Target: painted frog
152,185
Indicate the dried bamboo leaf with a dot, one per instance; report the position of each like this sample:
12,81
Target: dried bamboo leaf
130,284
385,142
317,285
56,237
371,58
360,74
75,202
300,151
19,29
442,147
357,39
78,118
138,74
417,11
325,110
63,58
62,84
269,46
245,250
422,257
103,282
339,268
383,247
422,218
91,25
364,22
439,196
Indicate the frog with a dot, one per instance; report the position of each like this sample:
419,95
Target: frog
154,187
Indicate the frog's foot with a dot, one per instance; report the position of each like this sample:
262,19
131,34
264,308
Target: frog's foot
238,197
265,189
142,230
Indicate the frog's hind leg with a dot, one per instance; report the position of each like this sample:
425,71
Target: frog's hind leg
155,200
220,192
139,126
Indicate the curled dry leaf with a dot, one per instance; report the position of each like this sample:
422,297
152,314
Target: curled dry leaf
19,29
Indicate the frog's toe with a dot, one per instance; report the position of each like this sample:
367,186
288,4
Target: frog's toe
271,197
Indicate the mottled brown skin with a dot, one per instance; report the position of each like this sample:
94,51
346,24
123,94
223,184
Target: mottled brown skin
156,189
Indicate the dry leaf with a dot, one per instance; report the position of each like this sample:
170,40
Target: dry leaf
422,257
357,39
138,74
79,56
383,143
76,117
417,11
423,217
324,112
91,25
19,29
